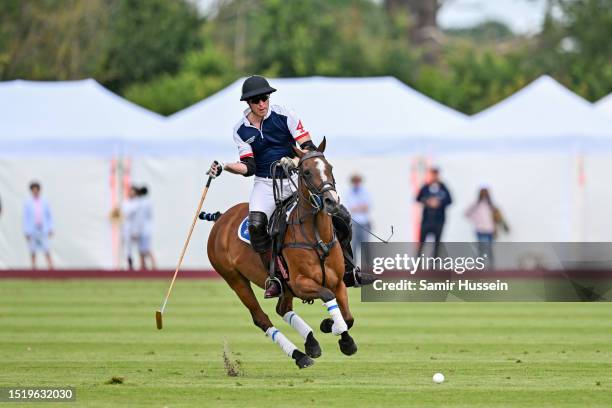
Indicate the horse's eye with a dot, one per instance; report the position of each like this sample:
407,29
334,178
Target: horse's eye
307,172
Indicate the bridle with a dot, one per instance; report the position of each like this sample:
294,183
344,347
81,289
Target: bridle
315,199
315,192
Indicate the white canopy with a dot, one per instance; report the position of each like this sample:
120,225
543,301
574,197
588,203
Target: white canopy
358,115
544,114
68,117
604,105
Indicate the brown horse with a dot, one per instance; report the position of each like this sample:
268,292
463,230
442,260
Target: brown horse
314,259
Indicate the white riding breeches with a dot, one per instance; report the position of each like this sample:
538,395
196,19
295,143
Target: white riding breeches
262,196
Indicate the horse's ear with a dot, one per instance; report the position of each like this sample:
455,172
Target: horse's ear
299,152
321,147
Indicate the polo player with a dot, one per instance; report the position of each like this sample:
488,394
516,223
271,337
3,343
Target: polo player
264,135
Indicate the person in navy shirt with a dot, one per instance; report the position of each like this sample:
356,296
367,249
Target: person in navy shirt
435,197
264,134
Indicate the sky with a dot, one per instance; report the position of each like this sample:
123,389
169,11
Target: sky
522,16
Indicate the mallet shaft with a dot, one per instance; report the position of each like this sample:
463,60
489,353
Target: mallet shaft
178,266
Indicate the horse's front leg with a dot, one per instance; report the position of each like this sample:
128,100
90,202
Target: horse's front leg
284,308
347,344
307,288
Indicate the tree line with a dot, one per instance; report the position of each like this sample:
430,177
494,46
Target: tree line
167,55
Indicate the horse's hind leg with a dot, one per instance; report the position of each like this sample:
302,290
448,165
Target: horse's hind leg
284,308
243,289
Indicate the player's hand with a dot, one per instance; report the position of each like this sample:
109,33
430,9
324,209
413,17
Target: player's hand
288,162
215,169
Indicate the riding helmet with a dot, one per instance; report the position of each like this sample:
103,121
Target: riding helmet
255,85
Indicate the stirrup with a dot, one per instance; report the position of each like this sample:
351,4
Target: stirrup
269,282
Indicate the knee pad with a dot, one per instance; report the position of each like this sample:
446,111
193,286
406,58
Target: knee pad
258,230
342,223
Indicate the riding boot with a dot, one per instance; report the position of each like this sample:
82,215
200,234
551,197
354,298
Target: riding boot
273,287
261,243
353,276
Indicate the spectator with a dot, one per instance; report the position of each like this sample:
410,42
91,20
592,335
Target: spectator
435,197
145,226
358,203
486,218
129,228
38,224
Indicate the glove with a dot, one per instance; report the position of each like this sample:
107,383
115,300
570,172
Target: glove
288,162
215,169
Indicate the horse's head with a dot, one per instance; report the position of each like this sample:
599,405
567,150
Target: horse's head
317,180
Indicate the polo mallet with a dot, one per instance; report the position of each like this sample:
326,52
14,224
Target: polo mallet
160,312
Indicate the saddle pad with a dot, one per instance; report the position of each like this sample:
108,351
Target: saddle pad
243,228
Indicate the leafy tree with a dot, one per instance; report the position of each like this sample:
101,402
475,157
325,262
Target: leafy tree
204,72
51,39
147,38
487,31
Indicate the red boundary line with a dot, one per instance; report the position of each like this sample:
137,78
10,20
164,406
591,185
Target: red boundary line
104,274
212,274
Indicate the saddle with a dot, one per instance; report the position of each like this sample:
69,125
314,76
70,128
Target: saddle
277,227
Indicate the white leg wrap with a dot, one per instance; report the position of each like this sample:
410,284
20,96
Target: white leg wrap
284,343
297,323
339,325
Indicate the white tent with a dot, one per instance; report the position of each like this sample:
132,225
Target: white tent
604,105
544,114
68,136
542,151
357,115
371,125
68,117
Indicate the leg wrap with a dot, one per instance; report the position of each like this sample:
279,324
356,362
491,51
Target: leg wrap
297,323
258,223
284,343
339,325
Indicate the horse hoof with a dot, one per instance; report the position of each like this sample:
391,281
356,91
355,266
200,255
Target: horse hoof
312,347
326,325
347,344
302,360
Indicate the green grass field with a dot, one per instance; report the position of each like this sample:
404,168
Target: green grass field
83,333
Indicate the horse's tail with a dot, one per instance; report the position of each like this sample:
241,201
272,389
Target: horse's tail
204,216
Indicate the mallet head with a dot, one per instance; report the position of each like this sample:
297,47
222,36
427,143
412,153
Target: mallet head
158,319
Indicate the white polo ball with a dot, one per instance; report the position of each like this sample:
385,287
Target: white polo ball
438,378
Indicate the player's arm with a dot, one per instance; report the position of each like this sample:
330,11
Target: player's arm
244,167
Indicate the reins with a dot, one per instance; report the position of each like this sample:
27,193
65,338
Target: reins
314,200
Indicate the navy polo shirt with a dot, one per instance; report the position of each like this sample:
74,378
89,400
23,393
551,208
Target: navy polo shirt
280,130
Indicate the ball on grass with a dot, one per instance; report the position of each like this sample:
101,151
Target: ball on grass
438,378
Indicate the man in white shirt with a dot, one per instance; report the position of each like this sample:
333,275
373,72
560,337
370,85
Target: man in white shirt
145,226
357,200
